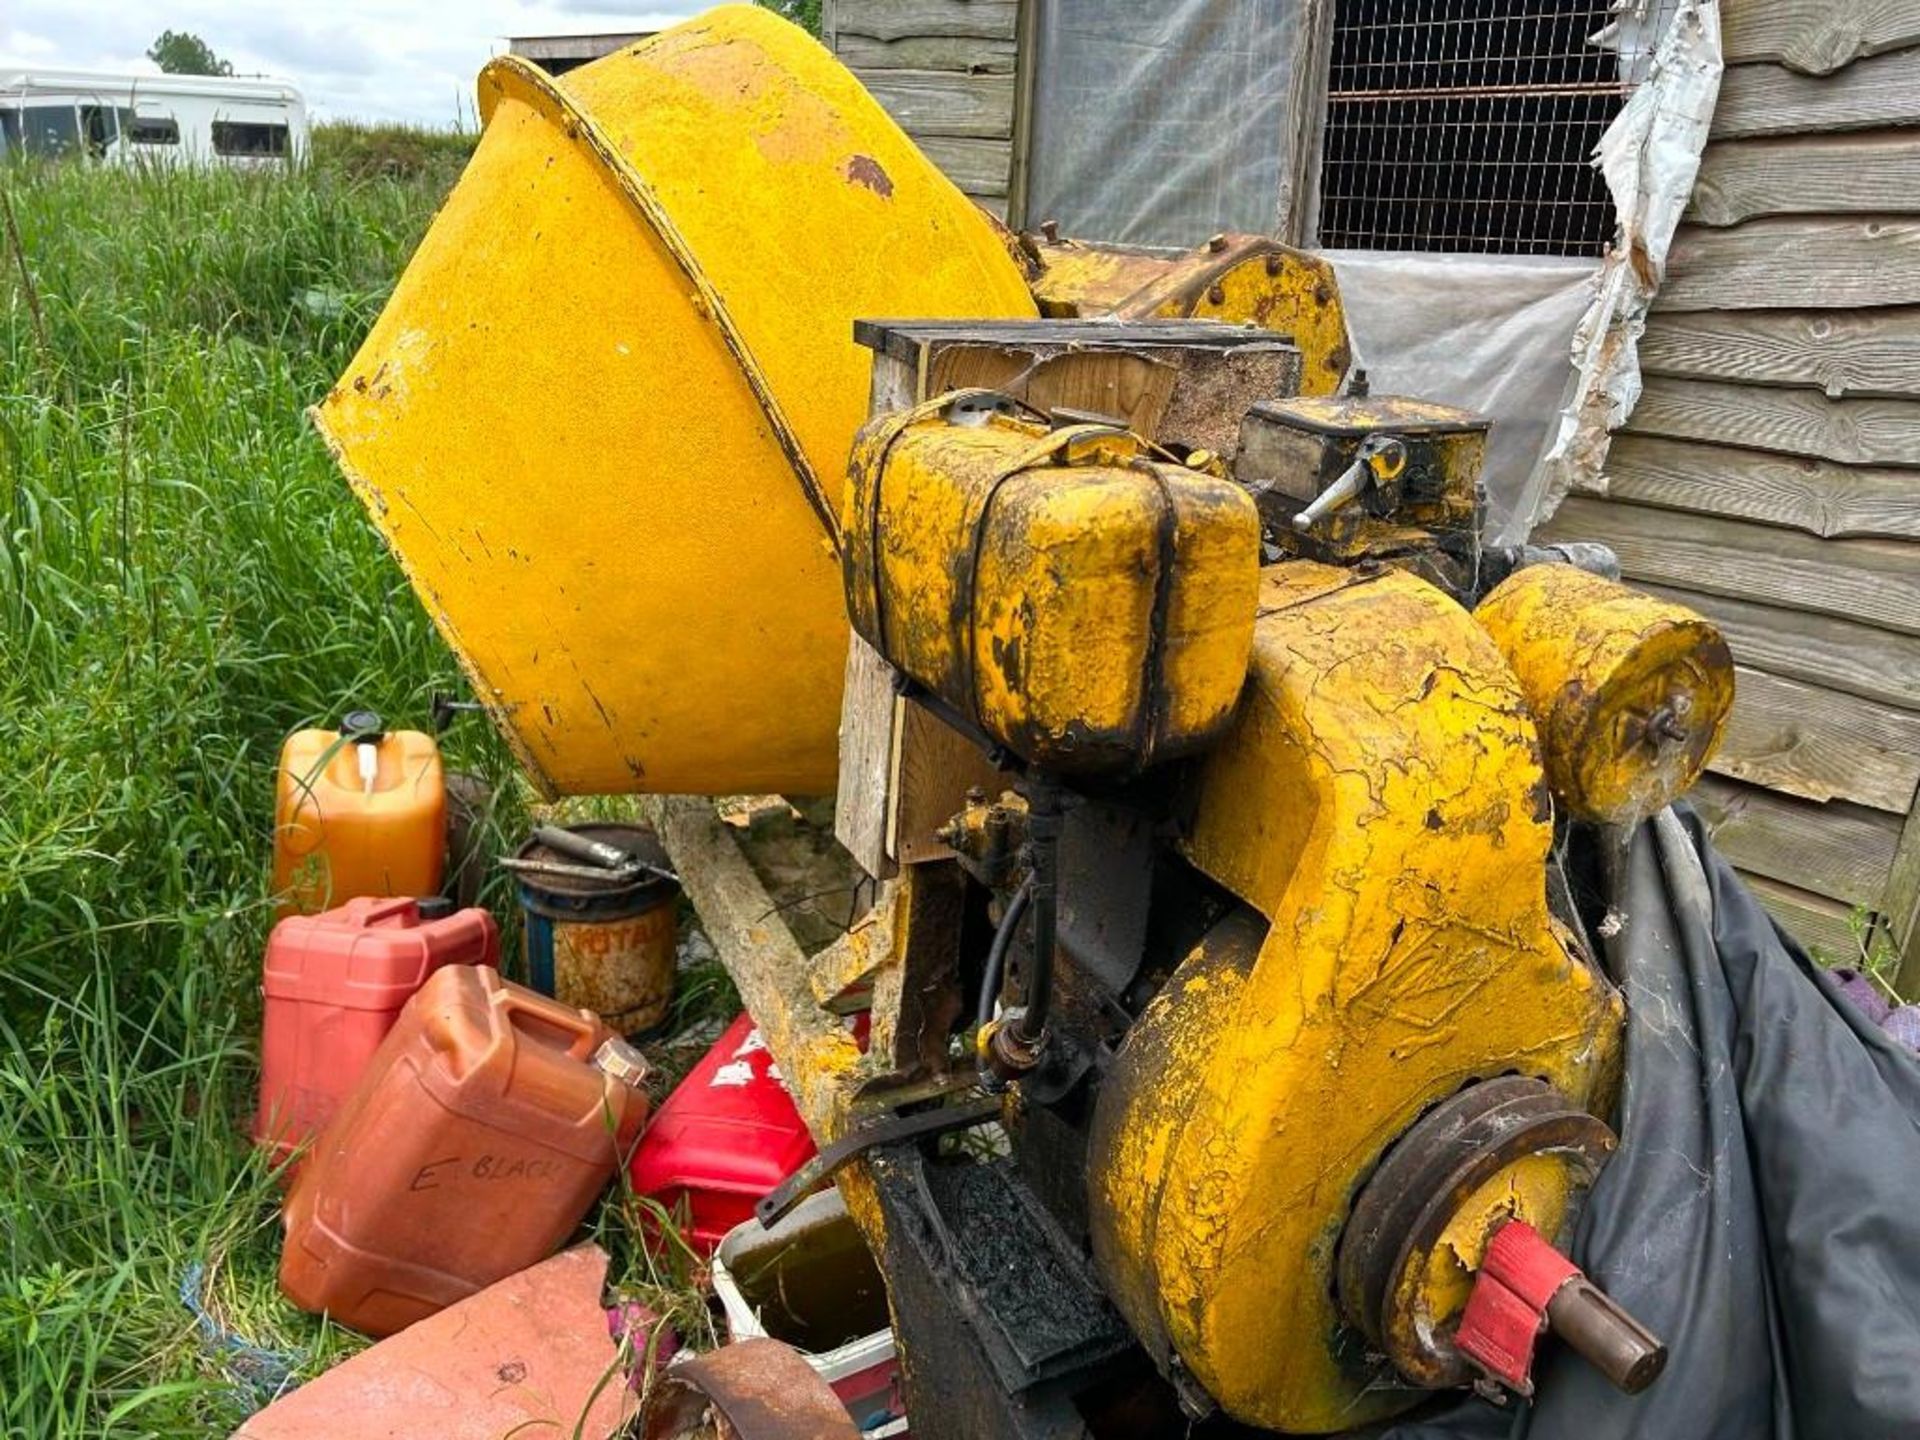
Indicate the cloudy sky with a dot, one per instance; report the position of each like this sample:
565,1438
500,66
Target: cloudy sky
371,59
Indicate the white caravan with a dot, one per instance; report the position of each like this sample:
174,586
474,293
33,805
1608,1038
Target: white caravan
152,119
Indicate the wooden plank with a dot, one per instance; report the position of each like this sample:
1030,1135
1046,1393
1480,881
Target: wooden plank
1823,926
869,711
1769,100
1861,660
968,54
1875,581
1820,744
934,768
1789,263
978,167
814,1049
904,19
1816,36
1807,175
1026,41
1838,850
1902,908
933,102
1817,496
1840,353
1867,431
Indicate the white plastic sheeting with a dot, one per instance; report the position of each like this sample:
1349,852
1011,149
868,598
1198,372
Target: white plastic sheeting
1650,156
1161,122
1488,333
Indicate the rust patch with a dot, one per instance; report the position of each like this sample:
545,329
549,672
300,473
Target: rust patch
865,170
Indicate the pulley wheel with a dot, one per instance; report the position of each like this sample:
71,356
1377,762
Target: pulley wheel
1506,1149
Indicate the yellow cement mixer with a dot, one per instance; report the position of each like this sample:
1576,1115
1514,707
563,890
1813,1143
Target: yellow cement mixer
1221,777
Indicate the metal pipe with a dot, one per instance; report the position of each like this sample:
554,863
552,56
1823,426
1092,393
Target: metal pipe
1043,829
1606,1336
997,953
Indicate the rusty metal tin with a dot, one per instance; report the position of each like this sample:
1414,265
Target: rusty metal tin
606,946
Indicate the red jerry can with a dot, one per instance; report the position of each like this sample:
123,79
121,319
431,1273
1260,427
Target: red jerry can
334,983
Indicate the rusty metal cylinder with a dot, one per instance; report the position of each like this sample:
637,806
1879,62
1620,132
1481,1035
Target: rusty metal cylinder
1631,693
1606,1336
605,945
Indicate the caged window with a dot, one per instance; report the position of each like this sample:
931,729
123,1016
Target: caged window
239,137
1468,125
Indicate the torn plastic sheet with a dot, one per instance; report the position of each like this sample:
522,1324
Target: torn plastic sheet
1650,156
1488,333
1759,1215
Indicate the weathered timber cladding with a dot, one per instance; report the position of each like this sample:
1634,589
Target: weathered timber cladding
1770,100
1867,431
1863,174
1818,496
947,70
1816,36
1838,352
1770,476
1795,262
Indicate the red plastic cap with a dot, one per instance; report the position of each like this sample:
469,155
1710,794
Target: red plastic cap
1507,1312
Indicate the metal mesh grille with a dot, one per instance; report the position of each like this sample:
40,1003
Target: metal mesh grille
1467,125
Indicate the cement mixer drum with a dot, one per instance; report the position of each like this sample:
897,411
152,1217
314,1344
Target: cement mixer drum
604,419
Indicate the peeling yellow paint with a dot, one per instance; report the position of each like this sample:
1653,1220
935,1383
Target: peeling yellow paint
1239,279
1085,605
1598,661
1379,807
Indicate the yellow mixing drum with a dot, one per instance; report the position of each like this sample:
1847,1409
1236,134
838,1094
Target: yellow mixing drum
605,416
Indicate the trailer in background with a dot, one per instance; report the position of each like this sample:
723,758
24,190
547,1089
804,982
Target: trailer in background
125,119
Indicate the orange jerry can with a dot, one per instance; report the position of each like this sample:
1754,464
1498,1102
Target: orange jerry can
357,811
489,1121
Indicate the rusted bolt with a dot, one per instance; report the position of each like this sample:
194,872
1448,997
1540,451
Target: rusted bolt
1216,243
1050,229
1367,569
1274,262
1217,294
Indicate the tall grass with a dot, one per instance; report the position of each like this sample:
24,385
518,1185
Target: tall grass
183,579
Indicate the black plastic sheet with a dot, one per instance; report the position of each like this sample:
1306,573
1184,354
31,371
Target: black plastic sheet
1762,1214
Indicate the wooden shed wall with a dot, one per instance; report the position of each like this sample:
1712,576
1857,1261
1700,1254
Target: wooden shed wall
947,71
1771,474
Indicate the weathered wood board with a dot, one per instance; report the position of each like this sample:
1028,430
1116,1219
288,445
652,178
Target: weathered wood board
1807,175
1838,352
1866,431
1862,660
1874,581
1824,926
939,102
1792,262
966,54
979,167
1838,850
1816,36
910,19
1771,100
1820,744
1817,496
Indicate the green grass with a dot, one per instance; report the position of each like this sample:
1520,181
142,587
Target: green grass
183,579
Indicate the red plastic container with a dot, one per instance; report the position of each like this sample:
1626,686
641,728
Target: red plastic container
334,985
726,1136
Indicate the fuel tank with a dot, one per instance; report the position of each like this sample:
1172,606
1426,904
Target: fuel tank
604,418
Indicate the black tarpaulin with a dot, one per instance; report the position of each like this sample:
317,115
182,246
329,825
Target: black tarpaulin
1762,1214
